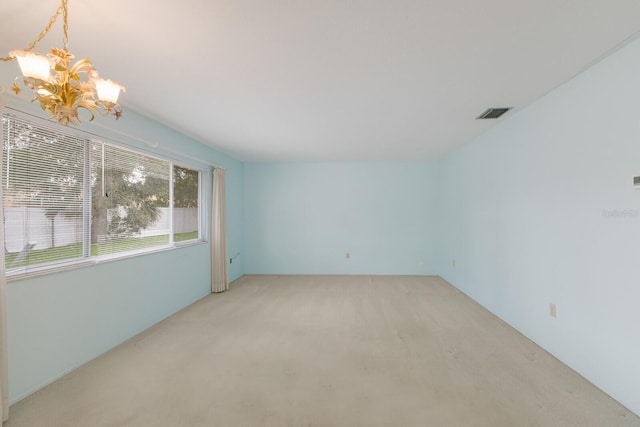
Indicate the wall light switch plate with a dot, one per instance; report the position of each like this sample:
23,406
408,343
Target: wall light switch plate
636,182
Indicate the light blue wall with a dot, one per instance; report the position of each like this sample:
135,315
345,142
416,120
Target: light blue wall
528,212
303,218
60,321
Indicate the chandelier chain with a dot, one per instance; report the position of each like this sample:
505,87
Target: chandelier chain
65,24
61,8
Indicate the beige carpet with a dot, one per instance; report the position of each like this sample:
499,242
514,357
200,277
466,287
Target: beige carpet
326,351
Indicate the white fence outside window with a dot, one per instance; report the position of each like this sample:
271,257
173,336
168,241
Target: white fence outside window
68,230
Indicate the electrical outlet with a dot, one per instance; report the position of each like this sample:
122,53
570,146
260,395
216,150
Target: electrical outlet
230,260
552,310
348,255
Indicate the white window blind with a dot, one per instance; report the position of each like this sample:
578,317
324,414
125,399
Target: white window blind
70,197
42,179
130,200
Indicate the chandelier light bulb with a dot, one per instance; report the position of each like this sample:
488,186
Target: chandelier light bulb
107,90
32,65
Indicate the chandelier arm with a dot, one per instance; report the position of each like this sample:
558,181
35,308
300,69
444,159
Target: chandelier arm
62,8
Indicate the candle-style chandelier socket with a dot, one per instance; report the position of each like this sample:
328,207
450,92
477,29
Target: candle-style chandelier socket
61,86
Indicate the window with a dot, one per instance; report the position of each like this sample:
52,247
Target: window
69,197
129,200
186,214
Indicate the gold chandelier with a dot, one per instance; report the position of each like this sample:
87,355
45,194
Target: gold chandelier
62,88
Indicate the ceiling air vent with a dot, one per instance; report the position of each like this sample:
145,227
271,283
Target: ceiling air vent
493,113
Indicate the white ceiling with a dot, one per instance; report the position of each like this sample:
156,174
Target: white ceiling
340,80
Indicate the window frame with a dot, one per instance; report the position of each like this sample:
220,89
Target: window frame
86,259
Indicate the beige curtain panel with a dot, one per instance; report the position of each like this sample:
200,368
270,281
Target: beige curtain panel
219,253
4,374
